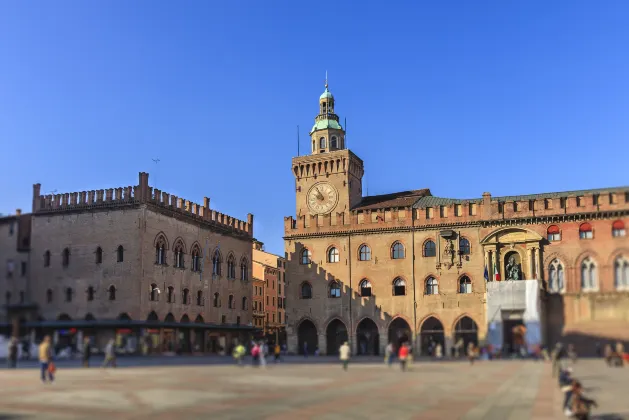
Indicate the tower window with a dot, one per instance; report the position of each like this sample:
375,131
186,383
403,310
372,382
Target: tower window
334,143
322,143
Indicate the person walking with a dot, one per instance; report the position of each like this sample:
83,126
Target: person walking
255,354
471,352
620,354
87,352
110,354
239,353
403,356
388,354
264,350
277,351
45,360
12,353
344,354
581,406
438,351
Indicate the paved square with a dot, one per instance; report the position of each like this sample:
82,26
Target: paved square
501,390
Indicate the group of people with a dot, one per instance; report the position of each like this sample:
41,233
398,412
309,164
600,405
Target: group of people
615,357
259,353
575,404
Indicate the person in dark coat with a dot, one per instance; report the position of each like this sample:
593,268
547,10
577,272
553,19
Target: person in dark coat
12,356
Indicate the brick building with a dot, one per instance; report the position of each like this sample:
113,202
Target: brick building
153,270
412,266
268,272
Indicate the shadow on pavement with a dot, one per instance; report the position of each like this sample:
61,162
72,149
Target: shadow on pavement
611,416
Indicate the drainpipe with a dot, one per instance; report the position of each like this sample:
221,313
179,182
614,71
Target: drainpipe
413,277
351,292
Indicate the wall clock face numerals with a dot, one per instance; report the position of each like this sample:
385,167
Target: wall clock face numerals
322,198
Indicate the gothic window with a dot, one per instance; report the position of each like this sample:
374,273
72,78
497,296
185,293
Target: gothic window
618,229
120,253
231,267
555,276
589,275
334,143
200,298
432,286
244,270
98,255
333,255
185,297
196,258
170,294
306,291
585,231
322,143
365,288
245,304
397,251
231,303
49,296
217,300
65,257
465,285
154,294
47,259
553,233
160,251
111,292
464,246
178,251
305,256
430,250
621,273
364,253
399,287
216,263
69,293
90,293
334,290
313,146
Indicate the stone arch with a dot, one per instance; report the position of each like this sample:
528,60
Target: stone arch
162,236
169,318
615,254
64,317
124,317
496,235
585,254
557,255
185,319
180,242
152,317
367,337
465,329
399,331
431,333
307,336
89,317
519,256
336,335
199,319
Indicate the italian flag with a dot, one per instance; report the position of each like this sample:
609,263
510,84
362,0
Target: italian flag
496,273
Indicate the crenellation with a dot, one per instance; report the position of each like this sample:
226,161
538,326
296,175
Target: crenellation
128,194
119,194
136,193
109,194
73,199
165,199
64,200
179,204
99,196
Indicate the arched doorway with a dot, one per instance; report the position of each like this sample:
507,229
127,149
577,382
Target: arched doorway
152,317
199,337
336,335
184,345
466,330
431,333
124,317
168,335
307,338
368,338
399,332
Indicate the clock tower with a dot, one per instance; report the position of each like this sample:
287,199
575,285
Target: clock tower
329,180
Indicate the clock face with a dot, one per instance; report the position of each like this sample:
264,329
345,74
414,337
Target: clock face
322,198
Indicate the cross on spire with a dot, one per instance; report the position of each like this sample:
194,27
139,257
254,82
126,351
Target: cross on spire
326,79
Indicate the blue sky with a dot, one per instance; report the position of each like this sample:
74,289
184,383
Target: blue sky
460,97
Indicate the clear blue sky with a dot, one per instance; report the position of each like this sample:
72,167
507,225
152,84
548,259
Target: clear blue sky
459,97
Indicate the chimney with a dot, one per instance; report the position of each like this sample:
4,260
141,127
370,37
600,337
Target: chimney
18,212
36,194
206,202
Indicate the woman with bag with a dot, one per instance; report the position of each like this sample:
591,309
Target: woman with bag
45,360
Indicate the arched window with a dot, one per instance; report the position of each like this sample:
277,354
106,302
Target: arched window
334,290
333,255
178,251
120,253
365,288
217,300
621,273
170,295
231,267
585,231
98,255
69,294
47,259
313,146
432,286
216,263
334,143
111,292
244,270
399,287
306,291
430,250
49,296
553,233
364,253
464,246
185,297
322,143
196,258
589,275
200,298
90,293
65,257
160,251
618,229
231,303
154,294
397,251
465,285
555,276
245,304
305,256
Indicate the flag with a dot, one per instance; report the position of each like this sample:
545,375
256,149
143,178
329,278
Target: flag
486,275
496,273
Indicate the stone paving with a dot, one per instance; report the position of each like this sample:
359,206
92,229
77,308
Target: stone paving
501,390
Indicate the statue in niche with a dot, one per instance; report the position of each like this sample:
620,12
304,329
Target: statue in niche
513,270
449,252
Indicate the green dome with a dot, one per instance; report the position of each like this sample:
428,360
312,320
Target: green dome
326,95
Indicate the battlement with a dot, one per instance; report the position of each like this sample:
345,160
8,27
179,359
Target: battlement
137,194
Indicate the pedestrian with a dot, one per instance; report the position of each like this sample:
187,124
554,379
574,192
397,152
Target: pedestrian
263,353
110,354
46,363
277,351
26,350
239,353
12,353
438,351
608,354
344,354
403,356
388,354
255,354
620,354
87,352
471,352
580,405
572,353
557,357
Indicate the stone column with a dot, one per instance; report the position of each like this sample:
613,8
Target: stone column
530,264
322,343
292,343
540,266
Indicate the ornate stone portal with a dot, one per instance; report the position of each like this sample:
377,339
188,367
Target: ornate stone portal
504,250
